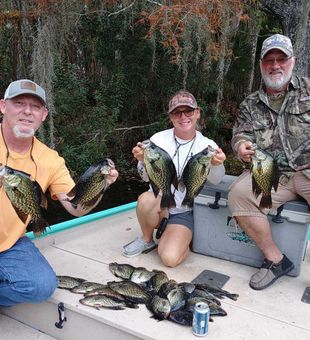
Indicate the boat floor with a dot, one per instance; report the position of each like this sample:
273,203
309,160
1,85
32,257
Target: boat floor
85,251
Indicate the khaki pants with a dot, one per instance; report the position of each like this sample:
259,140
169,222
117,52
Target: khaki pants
242,202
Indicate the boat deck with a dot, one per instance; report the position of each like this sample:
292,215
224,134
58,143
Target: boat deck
86,251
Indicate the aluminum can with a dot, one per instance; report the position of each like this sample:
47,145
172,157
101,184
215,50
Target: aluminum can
201,317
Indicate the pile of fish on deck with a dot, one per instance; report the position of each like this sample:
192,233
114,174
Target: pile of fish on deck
166,299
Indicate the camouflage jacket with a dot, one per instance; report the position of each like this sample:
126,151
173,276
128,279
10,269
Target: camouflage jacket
284,134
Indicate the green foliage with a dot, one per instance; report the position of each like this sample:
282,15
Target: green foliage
112,83
233,166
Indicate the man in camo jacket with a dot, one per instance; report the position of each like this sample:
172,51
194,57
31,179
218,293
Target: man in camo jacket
276,118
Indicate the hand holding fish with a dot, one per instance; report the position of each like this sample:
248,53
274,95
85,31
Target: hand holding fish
138,151
90,187
219,157
111,177
245,151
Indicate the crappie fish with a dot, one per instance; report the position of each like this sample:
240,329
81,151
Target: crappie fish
102,301
166,287
216,291
215,309
265,175
107,291
86,286
177,298
26,196
141,275
181,317
195,175
121,270
68,282
130,290
160,307
91,184
157,280
161,172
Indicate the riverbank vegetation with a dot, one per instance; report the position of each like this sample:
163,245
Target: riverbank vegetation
109,67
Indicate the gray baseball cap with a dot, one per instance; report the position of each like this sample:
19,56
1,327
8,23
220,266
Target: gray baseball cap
278,42
182,98
25,86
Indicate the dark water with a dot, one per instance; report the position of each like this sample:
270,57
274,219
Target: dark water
121,192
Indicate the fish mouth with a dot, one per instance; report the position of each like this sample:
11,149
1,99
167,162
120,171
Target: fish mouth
11,180
110,163
2,170
146,143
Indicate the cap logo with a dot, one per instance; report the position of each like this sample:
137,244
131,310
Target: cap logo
277,41
27,85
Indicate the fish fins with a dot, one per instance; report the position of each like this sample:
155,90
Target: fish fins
181,185
181,317
39,226
276,177
23,217
265,202
72,192
167,201
131,305
188,201
43,203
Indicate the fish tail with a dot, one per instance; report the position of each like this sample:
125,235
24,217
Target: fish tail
39,226
188,201
167,201
265,202
131,305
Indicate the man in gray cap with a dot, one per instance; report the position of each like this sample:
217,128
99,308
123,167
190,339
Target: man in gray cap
276,119
25,275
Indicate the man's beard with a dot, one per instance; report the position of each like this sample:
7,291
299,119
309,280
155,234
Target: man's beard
277,84
22,134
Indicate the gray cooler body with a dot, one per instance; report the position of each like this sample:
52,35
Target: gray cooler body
216,234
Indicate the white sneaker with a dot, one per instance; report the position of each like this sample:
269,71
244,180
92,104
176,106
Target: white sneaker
137,247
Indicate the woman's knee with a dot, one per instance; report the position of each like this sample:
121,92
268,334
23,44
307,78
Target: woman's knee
147,202
170,258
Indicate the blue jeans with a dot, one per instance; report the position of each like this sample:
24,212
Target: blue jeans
25,275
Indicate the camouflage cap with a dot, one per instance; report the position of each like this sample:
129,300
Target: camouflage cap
24,86
182,98
279,42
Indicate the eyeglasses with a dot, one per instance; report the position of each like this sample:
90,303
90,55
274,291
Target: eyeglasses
279,61
178,114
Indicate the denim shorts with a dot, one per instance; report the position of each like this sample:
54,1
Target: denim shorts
186,219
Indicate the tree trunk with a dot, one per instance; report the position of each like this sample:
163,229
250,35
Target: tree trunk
253,32
294,16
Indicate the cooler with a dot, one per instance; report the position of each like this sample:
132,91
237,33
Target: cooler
216,234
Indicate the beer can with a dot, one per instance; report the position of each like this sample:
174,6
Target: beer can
201,319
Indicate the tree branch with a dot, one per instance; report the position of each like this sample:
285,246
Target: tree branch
134,127
155,2
123,9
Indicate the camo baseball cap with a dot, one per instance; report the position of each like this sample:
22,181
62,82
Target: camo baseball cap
25,86
182,98
279,42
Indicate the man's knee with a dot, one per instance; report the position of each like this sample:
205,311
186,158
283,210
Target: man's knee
36,290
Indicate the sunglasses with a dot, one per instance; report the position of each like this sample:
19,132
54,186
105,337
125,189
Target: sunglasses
279,61
178,114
